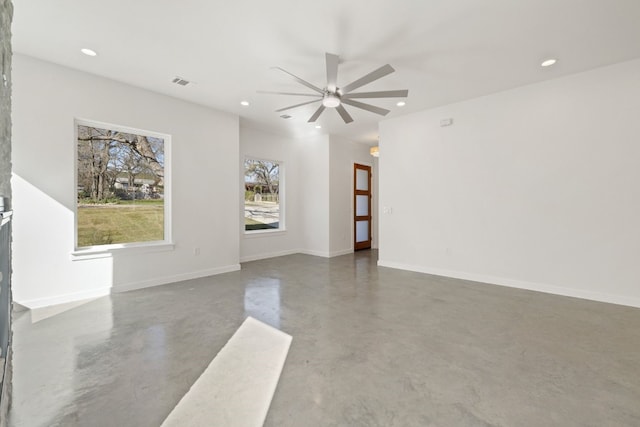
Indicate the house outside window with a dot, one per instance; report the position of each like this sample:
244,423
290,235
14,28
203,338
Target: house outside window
263,197
122,186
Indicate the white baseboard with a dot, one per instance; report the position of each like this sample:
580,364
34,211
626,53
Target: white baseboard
326,254
323,254
520,284
18,308
65,298
297,251
175,278
340,252
101,292
268,255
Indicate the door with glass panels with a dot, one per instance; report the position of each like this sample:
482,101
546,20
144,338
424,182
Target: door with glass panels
362,206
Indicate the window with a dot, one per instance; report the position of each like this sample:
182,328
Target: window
262,197
121,185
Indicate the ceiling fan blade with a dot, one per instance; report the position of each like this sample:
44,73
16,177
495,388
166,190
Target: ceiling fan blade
316,114
368,107
382,94
372,76
303,82
343,113
332,71
298,105
289,93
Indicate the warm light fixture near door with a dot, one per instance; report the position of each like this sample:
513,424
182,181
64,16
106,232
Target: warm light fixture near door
375,151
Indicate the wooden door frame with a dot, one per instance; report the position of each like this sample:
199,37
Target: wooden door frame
366,244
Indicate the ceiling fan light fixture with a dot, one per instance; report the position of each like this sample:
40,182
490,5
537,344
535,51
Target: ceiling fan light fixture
331,100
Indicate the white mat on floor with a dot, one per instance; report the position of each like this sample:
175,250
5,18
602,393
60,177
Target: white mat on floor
237,387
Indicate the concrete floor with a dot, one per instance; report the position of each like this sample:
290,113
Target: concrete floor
371,347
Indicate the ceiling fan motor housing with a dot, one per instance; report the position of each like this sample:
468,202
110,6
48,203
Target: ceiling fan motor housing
331,99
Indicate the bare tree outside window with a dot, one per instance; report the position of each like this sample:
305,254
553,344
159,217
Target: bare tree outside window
262,195
120,185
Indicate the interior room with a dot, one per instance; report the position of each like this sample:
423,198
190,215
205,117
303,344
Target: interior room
349,213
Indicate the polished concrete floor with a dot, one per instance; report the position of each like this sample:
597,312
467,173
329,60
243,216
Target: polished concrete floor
371,347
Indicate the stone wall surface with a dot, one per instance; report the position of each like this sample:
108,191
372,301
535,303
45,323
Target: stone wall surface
6,13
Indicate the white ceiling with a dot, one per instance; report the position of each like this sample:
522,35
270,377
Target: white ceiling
443,50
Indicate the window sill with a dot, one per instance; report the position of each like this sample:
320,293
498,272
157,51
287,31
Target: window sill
108,251
264,233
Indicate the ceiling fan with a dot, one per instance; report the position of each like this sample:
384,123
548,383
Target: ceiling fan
333,96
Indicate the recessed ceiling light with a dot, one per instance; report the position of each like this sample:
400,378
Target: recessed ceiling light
88,52
401,104
548,62
244,103
318,127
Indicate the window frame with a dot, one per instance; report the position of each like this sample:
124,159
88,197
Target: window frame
102,251
281,199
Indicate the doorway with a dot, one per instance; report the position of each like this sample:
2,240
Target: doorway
362,207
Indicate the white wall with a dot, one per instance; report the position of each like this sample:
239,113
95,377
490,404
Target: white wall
343,155
205,152
313,155
263,145
537,187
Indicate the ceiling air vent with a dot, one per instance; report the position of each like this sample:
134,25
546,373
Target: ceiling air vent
285,116
180,81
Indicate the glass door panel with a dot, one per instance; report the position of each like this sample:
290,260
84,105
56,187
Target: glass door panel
362,231
362,179
362,205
